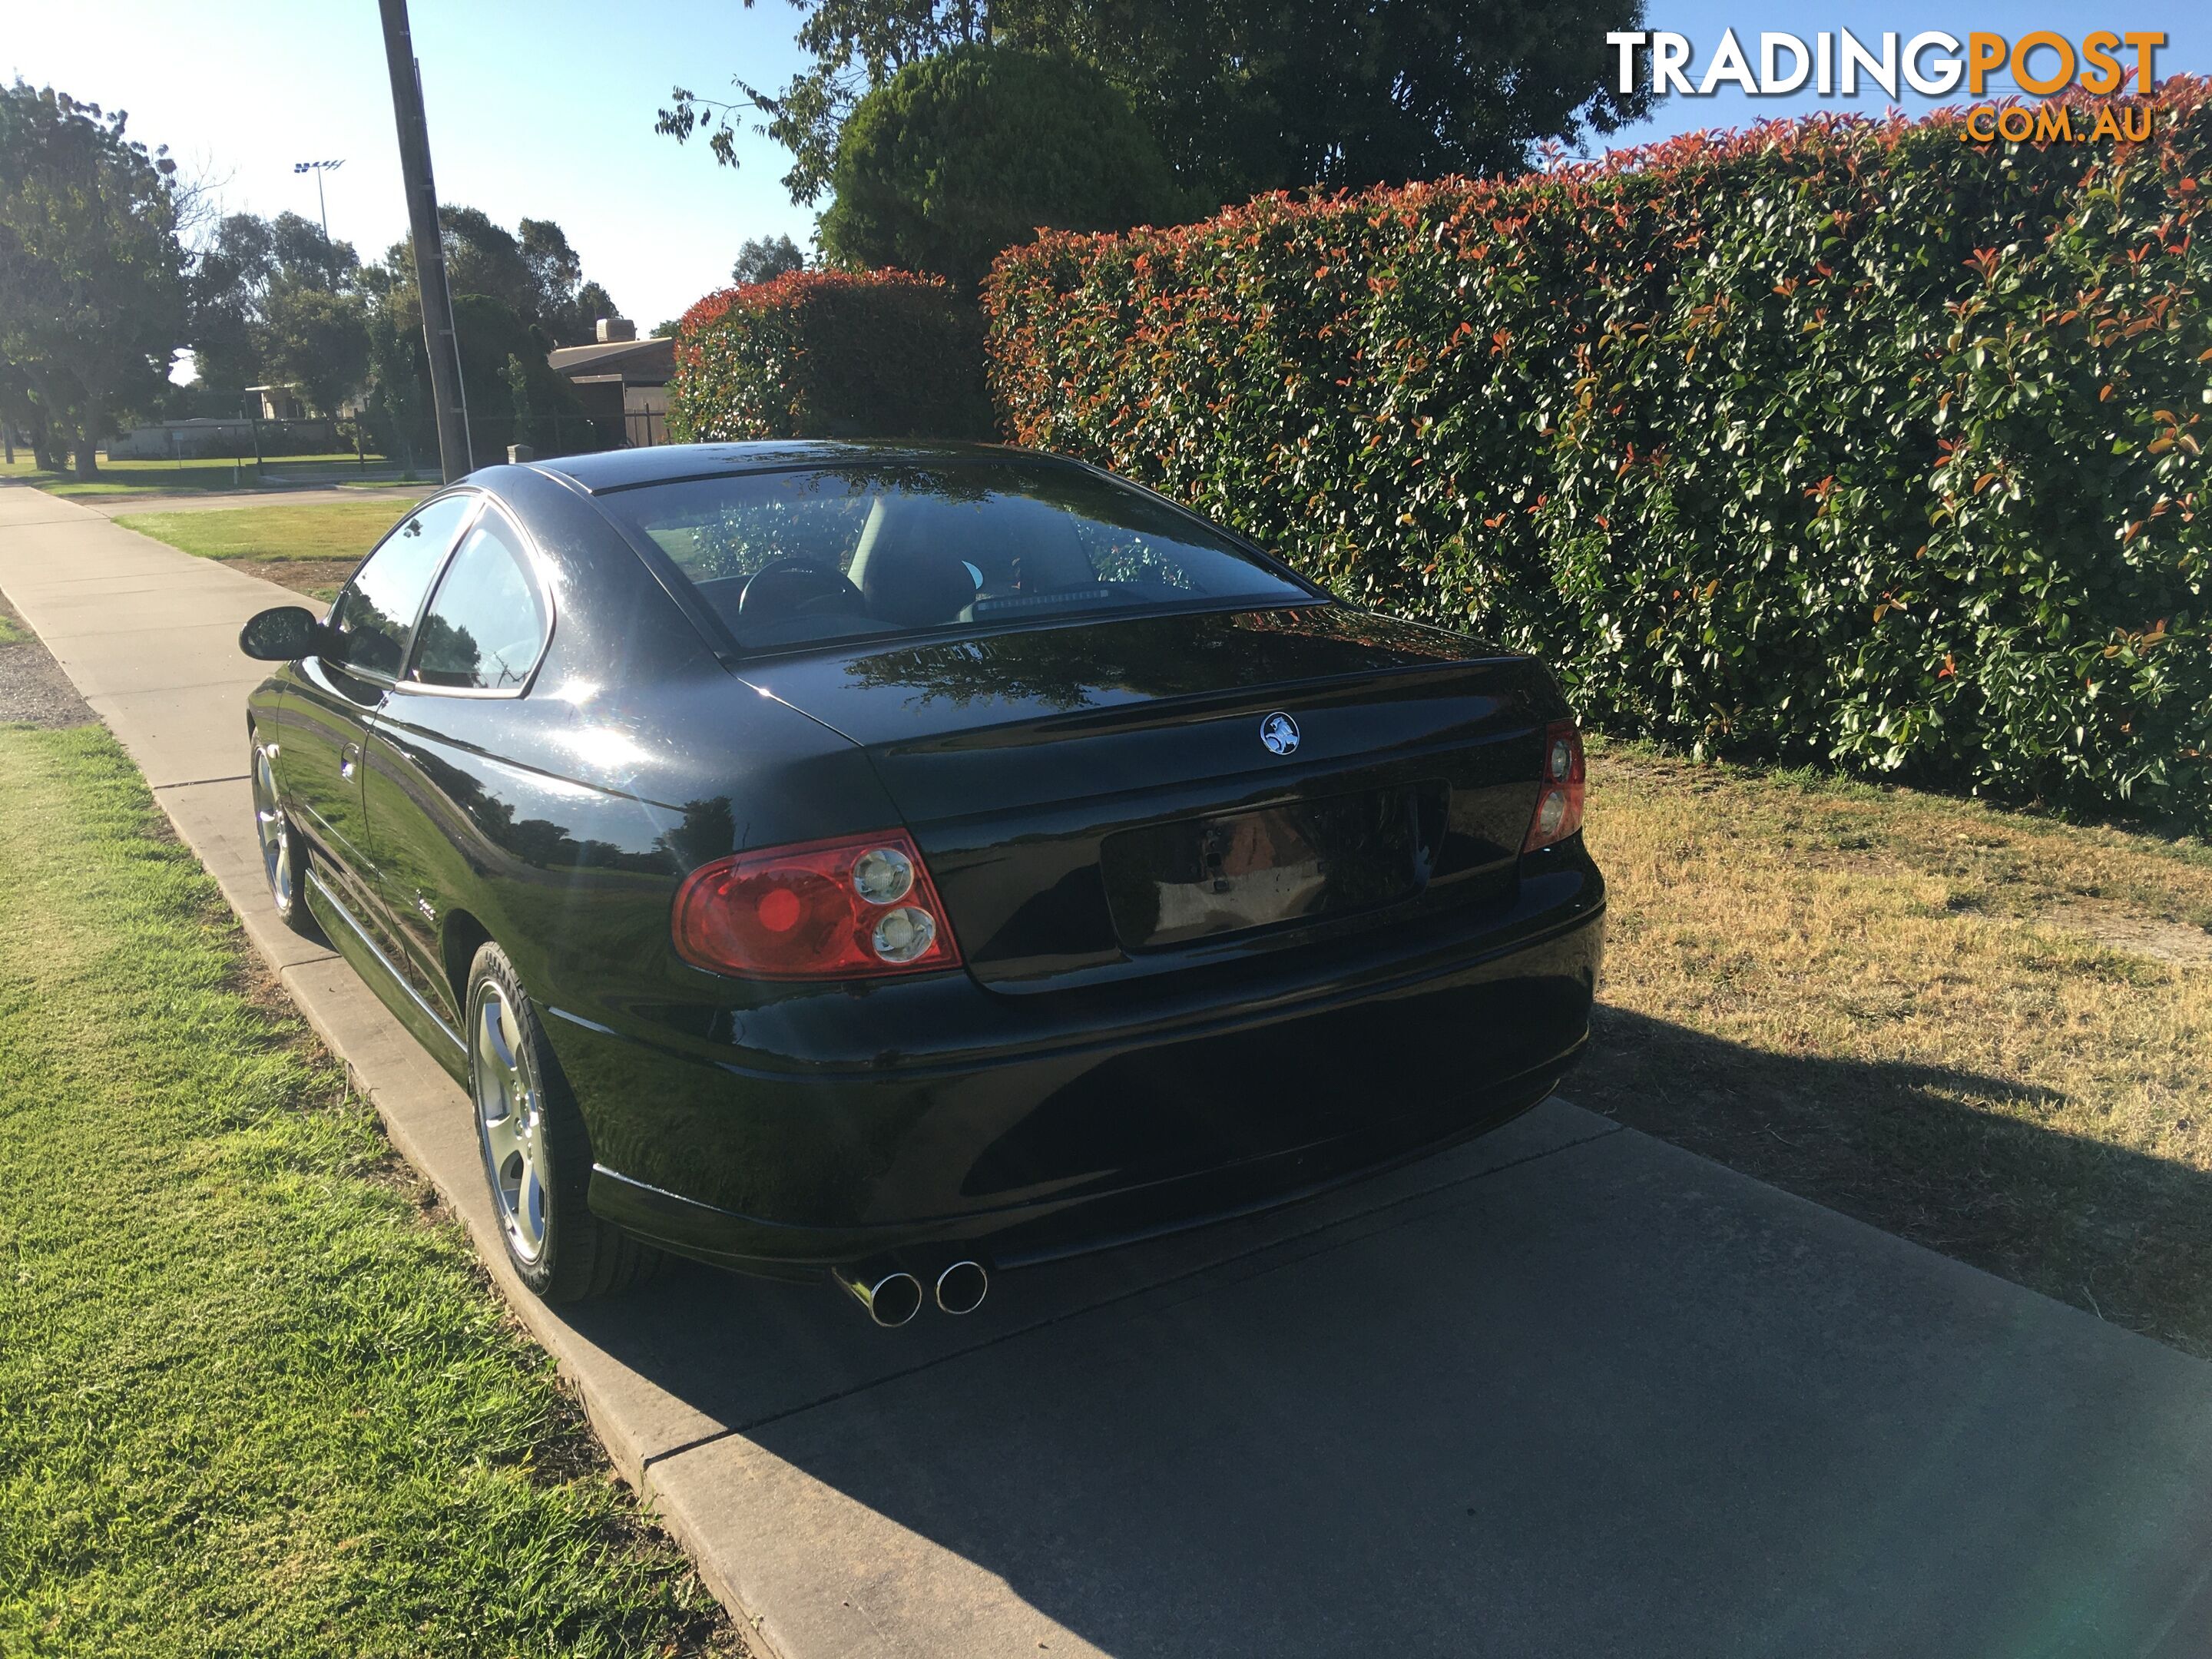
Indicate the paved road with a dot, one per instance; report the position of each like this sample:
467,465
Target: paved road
1569,1391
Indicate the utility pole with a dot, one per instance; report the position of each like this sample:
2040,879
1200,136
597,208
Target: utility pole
439,339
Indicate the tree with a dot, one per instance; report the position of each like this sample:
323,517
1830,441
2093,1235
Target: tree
516,295
1250,95
568,307
516,377
535,274
91,271
483,258
317,342
1245,95
858,46
21,411
961,154
514,395
398,401
244,264
301,251
552,262
225,291
764,258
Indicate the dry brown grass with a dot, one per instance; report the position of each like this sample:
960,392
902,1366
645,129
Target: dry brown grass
1984,1030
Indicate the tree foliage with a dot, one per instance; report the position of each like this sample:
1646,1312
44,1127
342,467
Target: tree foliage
1841,442
964,154
543,410
1250,95
764,258
21,411
92,303
398,407
97,291
517,294
532,270
316,341
234,282
1244,95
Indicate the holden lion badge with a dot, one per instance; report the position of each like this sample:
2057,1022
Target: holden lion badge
1280,733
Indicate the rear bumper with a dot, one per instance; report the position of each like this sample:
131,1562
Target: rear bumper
1027,1151
1041,1231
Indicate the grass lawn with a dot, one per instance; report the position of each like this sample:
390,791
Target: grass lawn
1986,1031
310,547
168,477
256,1397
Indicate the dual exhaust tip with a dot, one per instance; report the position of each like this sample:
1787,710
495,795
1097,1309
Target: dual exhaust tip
893,1296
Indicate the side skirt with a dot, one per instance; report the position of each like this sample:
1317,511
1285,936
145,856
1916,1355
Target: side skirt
426,1024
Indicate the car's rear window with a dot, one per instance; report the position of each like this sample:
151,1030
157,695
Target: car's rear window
833,552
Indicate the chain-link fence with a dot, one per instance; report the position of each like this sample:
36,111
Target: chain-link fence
489,435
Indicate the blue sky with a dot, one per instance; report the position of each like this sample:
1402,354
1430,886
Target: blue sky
547,109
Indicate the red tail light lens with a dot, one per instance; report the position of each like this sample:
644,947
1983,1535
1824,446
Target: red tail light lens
1558,811
850,909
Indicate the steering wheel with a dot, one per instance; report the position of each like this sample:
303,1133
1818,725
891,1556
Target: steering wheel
796,587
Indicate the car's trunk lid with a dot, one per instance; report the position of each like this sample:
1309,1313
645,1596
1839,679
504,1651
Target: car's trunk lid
1099,799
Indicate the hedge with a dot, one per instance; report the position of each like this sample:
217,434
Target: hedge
1838,441
818,354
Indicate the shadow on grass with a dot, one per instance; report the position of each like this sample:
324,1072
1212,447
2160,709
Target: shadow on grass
1962,1162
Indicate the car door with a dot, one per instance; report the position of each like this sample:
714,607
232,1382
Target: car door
429,771
326,715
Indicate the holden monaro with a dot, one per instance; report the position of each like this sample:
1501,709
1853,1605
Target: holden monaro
905,862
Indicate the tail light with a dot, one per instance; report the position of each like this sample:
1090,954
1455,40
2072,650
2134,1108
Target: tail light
1559,804
849,908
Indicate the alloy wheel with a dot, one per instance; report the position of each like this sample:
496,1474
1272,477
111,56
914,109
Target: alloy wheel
510,1124
273,831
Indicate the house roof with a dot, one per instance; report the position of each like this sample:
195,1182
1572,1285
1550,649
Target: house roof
638,362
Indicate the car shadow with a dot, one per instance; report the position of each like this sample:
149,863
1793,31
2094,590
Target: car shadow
1564,1391
1967,1164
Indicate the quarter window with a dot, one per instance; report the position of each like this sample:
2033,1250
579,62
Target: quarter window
486,624
373,614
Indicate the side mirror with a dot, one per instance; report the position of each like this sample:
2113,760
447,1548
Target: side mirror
283,634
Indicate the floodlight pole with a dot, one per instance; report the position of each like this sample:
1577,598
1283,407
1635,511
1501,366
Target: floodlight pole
322,207
442,344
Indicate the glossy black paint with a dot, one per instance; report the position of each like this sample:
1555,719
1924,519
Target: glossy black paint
1065,1087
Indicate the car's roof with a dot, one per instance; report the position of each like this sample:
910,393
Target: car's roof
621,468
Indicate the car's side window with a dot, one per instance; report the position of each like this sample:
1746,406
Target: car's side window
487,623
378,607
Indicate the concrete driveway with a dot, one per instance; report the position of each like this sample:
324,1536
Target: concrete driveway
1567,1391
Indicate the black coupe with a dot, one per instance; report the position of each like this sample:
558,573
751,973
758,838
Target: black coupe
909,861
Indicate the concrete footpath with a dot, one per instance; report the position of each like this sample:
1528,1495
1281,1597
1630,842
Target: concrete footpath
1568,1391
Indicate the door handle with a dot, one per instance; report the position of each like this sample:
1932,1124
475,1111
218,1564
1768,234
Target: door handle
349,757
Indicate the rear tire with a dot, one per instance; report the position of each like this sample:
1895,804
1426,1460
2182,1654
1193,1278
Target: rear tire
536,1154
283,855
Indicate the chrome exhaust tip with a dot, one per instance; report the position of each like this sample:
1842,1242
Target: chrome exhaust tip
962,1286
892,1296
